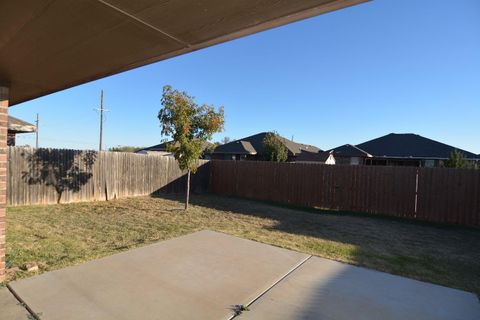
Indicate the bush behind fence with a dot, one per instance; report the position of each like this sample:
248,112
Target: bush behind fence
46,176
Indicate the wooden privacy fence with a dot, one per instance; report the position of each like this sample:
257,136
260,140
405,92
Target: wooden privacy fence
433,194
44,176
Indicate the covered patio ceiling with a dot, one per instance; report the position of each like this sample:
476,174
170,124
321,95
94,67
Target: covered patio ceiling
50,45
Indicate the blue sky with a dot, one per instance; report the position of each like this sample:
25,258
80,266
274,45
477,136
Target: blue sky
344,77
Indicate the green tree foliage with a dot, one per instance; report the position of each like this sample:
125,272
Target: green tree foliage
457,160
274,149
189,126
125,149
211,147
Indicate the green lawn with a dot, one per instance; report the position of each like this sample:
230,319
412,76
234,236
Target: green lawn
57,236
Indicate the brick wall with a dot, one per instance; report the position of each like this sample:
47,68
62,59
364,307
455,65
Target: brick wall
3,176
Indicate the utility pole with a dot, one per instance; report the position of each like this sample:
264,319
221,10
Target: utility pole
101,120
36,131
102,110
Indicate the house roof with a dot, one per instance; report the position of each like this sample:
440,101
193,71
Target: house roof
254,145
296,148
47,46
16,125
157,147
237,147
313,157
163,146
348,150
409,145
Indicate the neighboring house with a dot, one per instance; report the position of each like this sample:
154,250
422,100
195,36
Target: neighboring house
161,149
395,149
350,154
15,126
320,157
251,148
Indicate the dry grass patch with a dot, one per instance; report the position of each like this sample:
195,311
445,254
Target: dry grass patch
57,236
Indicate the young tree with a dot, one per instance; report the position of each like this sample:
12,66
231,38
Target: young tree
189,126
274,149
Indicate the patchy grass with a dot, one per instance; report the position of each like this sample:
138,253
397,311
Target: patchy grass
57,236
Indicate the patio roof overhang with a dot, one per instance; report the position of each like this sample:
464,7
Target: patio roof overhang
50,45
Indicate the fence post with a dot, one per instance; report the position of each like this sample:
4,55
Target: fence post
416,192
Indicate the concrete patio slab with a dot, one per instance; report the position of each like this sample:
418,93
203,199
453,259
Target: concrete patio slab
198,276
10,308
324,289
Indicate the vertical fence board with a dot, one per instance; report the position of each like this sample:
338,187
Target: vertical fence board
444,195
33,175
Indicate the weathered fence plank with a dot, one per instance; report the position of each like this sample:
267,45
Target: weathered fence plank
42,176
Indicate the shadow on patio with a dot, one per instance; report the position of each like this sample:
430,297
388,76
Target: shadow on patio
325,289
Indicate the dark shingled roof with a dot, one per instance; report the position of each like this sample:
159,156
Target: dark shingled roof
157,147
255,144
313,157
237,147
19,126
163,146
409,145
348,150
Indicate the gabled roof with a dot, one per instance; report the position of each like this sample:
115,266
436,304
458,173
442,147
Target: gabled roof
409,145
254,145
19,126
157,147
296,148
237,147
348,150
163,146
313,157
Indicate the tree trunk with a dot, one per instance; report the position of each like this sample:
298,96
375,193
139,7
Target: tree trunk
187,196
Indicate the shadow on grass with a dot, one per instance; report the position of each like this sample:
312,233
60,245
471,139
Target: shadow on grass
442,254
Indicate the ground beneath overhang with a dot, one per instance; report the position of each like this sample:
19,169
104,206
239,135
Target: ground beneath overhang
206,274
